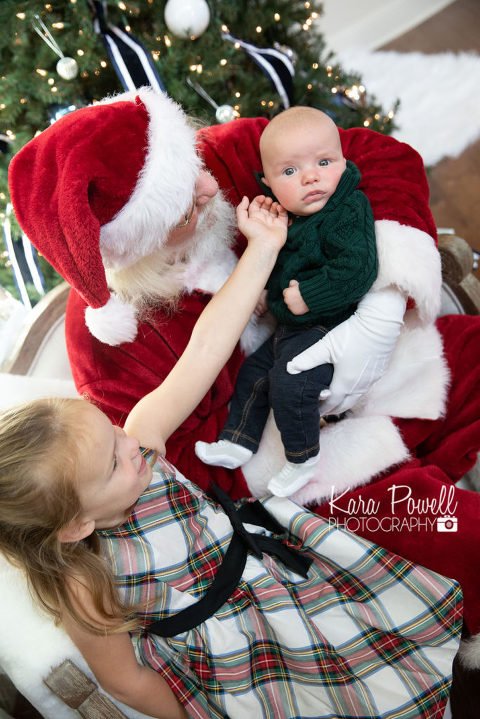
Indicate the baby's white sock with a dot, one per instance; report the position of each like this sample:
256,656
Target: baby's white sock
292,477
222,453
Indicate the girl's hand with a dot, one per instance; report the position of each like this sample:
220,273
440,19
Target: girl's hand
218,329
262,220
294,300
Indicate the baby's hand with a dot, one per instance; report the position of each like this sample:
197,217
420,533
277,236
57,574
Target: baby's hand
294,300
262,220
261,306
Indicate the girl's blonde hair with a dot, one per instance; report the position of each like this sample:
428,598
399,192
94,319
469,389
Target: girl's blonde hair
39,444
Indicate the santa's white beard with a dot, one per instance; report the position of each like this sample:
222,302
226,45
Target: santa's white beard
162,277
215,231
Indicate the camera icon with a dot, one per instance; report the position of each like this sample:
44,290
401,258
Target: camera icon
447,524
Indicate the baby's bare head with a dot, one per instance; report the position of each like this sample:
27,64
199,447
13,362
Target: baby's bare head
300,120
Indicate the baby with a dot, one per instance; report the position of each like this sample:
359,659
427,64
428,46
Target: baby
326,266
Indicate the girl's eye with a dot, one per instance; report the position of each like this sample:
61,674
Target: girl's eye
289,171
323,163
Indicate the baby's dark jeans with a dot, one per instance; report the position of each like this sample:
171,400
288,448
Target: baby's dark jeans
264,382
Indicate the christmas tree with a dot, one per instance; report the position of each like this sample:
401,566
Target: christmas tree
55,59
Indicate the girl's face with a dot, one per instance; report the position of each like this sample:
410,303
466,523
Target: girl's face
113,474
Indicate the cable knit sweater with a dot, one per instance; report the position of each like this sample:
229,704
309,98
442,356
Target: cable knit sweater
333,256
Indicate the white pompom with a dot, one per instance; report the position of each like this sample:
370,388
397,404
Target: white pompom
114,323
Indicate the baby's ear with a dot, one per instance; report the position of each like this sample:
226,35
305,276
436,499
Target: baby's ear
265,181
76,530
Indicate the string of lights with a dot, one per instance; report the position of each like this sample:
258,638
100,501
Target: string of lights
34,91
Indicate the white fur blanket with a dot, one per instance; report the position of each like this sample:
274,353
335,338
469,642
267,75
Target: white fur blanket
31,646
439,113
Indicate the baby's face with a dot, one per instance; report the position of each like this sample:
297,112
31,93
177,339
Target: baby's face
302,166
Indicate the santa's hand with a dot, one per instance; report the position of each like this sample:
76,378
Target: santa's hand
359,349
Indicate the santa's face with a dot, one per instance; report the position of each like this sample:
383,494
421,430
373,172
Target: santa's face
206,188
194,247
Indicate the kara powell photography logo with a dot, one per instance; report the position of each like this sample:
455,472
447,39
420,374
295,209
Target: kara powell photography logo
402,511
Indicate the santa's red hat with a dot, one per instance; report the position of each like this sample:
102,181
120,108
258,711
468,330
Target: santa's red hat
103,187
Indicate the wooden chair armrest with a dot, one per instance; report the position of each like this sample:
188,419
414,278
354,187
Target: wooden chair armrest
44,316
79,692
457,266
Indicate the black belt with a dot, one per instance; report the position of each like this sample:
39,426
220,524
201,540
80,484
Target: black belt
231,569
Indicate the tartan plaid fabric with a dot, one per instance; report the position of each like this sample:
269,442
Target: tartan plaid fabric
367,636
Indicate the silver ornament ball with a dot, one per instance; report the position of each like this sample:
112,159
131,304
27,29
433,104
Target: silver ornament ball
224,113
67,68
187,18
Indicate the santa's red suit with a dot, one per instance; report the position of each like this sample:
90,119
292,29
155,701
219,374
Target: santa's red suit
430,453
390,477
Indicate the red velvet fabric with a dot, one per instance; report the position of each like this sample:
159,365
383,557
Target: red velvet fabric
393,175
74,178
442,451
116,377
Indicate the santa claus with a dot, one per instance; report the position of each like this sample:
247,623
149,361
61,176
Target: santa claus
134,208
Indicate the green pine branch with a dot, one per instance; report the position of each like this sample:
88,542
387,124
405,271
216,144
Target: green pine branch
31,89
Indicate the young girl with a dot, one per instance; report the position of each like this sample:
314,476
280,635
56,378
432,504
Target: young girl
323,624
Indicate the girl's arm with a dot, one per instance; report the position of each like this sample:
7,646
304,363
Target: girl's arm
218,329
112,659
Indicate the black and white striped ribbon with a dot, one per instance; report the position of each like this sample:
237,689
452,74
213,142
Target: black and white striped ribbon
274,63
132,62
23,261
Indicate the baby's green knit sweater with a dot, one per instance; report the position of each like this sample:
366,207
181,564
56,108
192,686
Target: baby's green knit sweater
332,254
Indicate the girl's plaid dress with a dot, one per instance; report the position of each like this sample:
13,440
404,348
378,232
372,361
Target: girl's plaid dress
366,635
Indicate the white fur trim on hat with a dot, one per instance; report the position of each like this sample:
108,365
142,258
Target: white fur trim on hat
165,186
114,323
409,259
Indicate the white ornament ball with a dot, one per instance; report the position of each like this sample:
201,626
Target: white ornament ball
187,18
67,68
224,113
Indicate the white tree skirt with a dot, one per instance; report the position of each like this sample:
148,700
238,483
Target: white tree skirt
439,113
